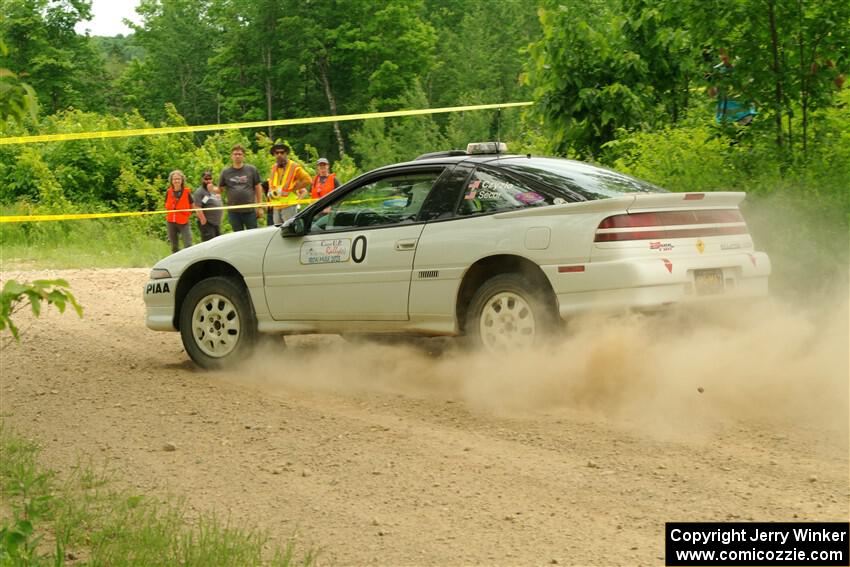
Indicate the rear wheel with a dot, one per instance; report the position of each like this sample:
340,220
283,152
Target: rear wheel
217,324
509,312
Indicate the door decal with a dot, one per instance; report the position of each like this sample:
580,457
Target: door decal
358,249
327,251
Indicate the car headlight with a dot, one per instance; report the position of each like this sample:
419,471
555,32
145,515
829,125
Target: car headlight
160,274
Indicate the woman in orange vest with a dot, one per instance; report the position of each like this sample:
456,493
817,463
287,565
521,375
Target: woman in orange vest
178,199
324,182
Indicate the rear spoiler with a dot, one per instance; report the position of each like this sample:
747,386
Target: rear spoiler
714,200
635,202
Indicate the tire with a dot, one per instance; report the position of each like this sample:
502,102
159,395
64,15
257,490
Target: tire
507,313
217,323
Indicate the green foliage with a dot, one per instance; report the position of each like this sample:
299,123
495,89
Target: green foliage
591,77
63,67
684,158
26,491
17,98
612,66
100,243
788,56
86,515
385,141
16,295
176,37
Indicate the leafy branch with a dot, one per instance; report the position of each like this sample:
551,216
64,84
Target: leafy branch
16,296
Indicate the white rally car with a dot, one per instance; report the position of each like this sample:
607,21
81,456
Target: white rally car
497,247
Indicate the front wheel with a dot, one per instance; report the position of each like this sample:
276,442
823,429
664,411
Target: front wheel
508,313
217,324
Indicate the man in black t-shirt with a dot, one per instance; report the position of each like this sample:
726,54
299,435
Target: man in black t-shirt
241,184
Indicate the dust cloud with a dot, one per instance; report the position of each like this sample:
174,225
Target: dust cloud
763,361
783,360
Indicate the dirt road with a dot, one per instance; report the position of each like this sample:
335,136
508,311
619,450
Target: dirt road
389,455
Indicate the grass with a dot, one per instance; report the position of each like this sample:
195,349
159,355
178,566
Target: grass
45,520
97,243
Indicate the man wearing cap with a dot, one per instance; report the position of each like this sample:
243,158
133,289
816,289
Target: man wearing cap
324,182
288,182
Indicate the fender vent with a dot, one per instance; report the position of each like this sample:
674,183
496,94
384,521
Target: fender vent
429,273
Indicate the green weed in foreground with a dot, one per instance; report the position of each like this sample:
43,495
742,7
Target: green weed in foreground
48,521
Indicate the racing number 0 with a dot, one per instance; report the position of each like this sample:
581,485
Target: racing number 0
358,249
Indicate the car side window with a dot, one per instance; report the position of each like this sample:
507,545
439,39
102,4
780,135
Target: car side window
385,202
489,191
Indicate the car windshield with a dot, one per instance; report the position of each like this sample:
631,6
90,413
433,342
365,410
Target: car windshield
589,181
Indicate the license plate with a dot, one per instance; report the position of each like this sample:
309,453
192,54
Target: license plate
708,282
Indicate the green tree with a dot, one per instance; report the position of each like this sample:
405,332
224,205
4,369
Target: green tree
177,38
381,142
656,32
62,66
789,56
480,50
588,80
17,98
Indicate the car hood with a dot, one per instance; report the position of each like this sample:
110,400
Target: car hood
244,250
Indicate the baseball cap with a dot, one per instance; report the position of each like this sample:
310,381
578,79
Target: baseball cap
322,160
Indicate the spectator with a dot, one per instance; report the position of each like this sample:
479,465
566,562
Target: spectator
208,196
178,200
731,107
324,182
241,184
288,182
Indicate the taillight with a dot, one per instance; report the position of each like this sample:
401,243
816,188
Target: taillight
615,228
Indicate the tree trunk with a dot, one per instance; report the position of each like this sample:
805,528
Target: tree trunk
774,43
790,135
267,55
804,77
322,63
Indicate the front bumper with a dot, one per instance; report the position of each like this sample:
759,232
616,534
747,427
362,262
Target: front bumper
160,296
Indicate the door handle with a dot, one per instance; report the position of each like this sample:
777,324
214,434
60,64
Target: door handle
407,244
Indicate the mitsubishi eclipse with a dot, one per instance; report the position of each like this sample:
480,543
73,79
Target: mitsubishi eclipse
500,248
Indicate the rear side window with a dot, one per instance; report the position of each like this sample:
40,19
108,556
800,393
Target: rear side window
589,181
488,191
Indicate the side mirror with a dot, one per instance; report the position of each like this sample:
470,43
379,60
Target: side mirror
295,227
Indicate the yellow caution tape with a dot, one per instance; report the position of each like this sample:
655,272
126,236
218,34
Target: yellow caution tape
80,216
241,125
276,203
208,127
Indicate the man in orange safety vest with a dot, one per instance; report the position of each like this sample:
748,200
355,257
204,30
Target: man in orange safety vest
288,182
